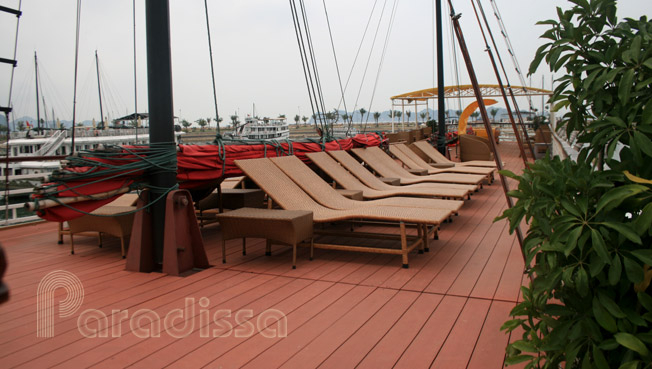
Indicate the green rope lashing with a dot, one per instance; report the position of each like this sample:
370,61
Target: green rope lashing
156,158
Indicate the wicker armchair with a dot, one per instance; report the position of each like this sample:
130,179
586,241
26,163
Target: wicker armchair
474,148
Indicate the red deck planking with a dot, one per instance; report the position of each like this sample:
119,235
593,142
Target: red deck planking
342,309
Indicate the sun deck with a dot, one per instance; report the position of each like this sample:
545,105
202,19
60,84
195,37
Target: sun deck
343,309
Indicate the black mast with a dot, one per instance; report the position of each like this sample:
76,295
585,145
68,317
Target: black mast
135,75
161,127
99,89
38,111
441,107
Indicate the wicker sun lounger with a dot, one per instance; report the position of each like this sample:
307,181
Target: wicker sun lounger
387,167
424,148
366,177
283,191
326,195
414,161
348,181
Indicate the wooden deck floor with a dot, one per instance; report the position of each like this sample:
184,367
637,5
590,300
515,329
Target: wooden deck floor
342,309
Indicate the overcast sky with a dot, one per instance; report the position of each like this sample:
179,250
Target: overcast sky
255,53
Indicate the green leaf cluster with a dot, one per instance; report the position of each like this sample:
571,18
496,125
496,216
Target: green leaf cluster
588,248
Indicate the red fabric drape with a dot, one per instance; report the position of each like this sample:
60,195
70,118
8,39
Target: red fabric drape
198,166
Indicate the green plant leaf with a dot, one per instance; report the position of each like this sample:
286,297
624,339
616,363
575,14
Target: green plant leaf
635,48
646,300
625,230
630,365
599,246
539,55
524,346
616,196
603,318
643,223
609,344
631,342
571,208
634,317
643,142
518,359
599,359
646,116
648,63
645,337
510,174
634,270
625,85
510,325
571,242
615,270
644,255
596,265
610,305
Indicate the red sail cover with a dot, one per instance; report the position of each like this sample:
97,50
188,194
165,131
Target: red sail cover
198,167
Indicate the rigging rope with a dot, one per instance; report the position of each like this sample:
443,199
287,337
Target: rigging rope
510,49
328,133
74,96
359,49
318,109
337,66
382,58
526,137
502,88
112,163
455,66
304,65
210,52
364,74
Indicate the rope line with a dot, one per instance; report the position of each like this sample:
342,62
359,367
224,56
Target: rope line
382,58
337,66
126,161
210,52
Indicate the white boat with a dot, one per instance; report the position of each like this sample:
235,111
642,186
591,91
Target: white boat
263,129
59,143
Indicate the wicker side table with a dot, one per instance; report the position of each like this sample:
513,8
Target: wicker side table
289,227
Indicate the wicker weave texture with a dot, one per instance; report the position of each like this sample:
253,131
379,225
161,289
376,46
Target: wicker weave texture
323,193
387,167
422,164
290,196
429,152
287,226
474,148
426,190
347,180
